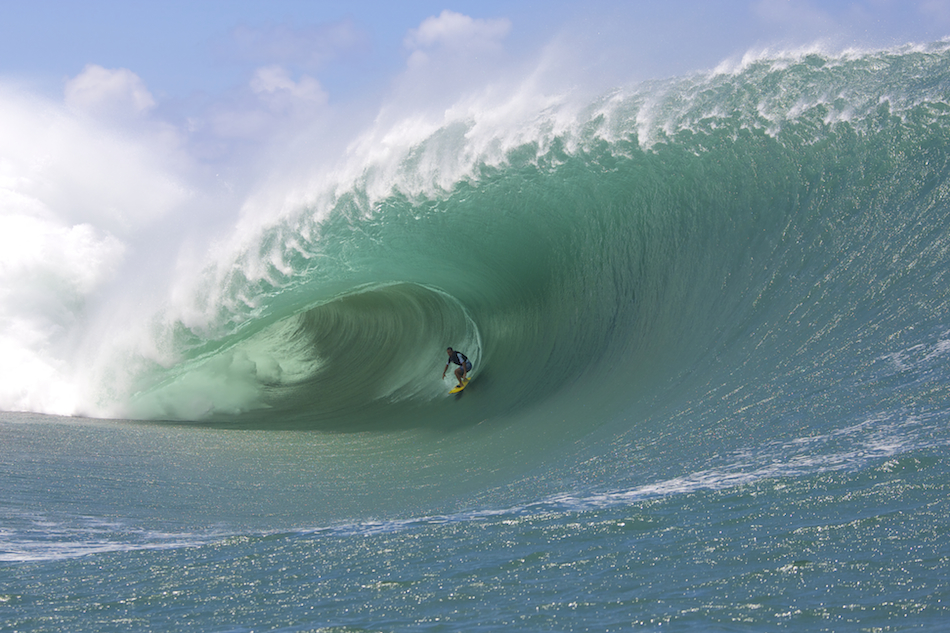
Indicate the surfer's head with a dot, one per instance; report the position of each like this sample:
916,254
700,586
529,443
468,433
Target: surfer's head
448,349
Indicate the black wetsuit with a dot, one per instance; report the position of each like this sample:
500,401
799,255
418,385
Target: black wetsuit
460,359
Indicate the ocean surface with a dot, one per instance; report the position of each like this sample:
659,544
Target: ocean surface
709,318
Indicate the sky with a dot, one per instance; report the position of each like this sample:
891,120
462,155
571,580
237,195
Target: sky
194,50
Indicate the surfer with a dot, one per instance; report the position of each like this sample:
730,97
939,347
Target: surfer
464,365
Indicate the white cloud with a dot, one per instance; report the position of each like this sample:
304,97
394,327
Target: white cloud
274,85
82,171
101,90
455,32
451,28
272,102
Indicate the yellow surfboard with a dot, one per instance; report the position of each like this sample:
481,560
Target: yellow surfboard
458,389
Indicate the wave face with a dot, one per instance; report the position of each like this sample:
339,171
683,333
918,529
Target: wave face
744,248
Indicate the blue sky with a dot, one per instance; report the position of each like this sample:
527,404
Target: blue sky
206,47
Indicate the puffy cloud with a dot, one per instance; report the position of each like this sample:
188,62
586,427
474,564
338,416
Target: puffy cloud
274,85
85,171
272,101
455,32
451,28
108,91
